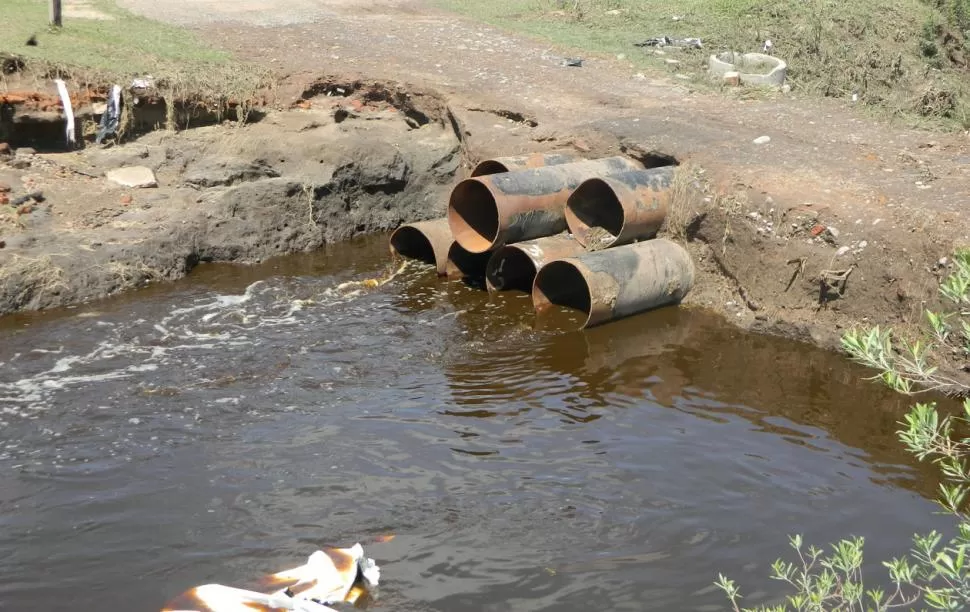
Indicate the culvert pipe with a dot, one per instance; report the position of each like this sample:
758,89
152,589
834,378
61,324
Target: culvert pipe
619,209
511,163
487,212
514,266
616,282
426,241
462,263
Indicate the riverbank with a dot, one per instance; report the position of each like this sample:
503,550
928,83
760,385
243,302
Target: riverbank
833,220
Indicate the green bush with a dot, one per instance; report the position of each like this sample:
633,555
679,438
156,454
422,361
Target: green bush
935,573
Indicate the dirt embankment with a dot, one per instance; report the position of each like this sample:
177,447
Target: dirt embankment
342,157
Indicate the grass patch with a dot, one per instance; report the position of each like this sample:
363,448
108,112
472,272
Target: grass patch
116,50
907,58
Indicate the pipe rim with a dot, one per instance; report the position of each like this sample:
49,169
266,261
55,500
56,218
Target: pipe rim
573,288
595,203
514,257
462,263
489,166
473,216
410,242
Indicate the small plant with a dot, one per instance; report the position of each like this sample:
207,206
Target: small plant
935,573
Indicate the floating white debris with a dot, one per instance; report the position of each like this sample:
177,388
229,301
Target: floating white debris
331,575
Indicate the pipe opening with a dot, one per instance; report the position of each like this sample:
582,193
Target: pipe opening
594,205
408,241
510,268
560,283
464,264
489,166
473,216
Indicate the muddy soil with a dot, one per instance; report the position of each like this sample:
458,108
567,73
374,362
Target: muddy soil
339,162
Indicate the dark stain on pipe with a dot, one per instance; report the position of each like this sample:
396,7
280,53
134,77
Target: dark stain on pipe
463,264
514,266
619,209
616,282
487,212
426,241
521,162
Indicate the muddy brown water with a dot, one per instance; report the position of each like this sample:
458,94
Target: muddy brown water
223,427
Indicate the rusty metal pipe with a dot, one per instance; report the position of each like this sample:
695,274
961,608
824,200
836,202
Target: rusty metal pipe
617,282
514,266
426,241
464,264
619,209
486,212
523,162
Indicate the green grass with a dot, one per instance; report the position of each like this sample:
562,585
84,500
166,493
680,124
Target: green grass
116,50
880,50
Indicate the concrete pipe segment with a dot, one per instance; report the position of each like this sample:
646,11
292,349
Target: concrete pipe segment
515,266
616,282
426,241
524,162
486,212
619,209
465,264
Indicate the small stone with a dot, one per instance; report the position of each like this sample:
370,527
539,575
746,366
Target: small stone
760,140
132,176
5,149
621,56
786,88
99,108
2,244
4,199
863,244
732,78
943,261
671,62
134,420
842,251
835,233
26,151
4,187
126,199
19,163
817,229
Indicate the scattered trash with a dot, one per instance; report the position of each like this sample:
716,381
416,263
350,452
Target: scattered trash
132,176
111,116
330,576
68,111
760,140
573,61
767,47
817,229
666,41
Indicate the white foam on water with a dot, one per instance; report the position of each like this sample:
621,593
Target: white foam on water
217,322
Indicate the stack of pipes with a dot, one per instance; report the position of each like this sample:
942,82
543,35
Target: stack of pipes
572,232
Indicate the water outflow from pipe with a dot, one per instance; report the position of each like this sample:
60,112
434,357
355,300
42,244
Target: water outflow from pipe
464,264
426,241
514,266
497,165
486,212
616,282
621,208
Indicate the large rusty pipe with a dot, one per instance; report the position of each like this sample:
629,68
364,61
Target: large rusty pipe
464,264
617,282
514,266
486,212
426,241
524,162
619,209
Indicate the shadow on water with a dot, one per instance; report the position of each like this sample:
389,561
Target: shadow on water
227,425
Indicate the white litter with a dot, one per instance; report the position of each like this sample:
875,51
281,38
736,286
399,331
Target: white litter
68,111
330,576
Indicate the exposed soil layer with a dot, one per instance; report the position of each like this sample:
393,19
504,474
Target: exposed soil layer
836,220
329,167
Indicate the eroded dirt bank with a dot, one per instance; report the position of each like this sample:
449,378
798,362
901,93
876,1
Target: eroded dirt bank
788,254
338,161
